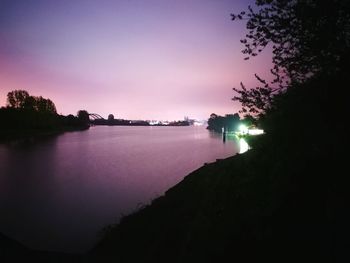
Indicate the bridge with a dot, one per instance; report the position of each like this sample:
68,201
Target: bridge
95,116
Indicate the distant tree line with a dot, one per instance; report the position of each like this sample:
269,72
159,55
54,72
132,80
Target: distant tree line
111,121
26,114
179,123
119,122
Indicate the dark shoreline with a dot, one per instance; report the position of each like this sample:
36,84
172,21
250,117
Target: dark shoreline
19,136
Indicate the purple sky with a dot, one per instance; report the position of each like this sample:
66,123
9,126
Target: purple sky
137,59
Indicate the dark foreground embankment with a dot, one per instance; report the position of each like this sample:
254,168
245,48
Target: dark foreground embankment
256,206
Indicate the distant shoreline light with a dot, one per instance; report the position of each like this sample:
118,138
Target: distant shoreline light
255,131
244,130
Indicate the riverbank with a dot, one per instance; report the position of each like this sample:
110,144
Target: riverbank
20,124
248,207
27,135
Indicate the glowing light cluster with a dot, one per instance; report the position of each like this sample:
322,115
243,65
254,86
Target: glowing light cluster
243,129
255,131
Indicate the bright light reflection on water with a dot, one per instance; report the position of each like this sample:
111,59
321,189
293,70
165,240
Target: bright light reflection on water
243,145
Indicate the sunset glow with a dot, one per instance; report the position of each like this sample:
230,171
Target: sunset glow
136,59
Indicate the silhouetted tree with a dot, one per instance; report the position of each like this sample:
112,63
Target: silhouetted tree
83,116
44,105
17,99
30,103
110,117
256,101
213,116
308,37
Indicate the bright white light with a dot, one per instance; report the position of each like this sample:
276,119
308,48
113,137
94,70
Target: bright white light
255,131
154,122
243,129
243,146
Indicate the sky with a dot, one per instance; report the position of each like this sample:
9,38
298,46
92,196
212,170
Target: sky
136,59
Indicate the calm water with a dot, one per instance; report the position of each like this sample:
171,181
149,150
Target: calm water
59,193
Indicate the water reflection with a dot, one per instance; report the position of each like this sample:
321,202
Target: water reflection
243,145
58,193
232,137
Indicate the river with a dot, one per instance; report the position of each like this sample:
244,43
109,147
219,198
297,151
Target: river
57,194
